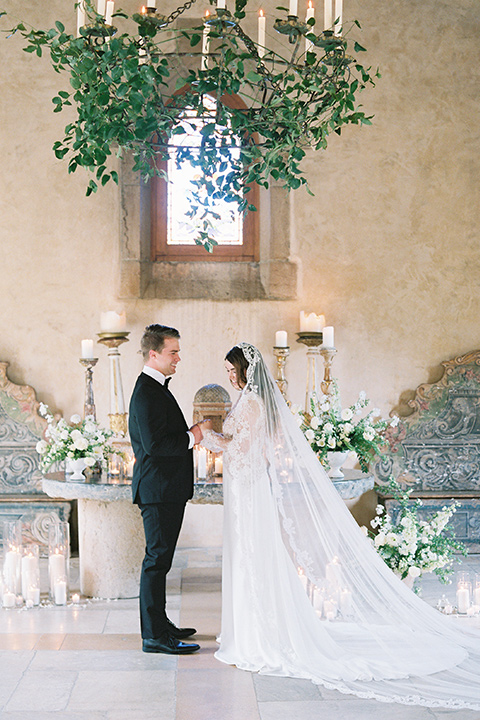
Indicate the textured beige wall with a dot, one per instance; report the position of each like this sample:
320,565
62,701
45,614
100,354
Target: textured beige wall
387,248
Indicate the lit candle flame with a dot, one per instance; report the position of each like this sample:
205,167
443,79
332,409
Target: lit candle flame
260,12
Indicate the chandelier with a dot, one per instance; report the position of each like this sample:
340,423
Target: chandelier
138,90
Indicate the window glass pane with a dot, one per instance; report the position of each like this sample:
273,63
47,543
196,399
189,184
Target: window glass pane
180,228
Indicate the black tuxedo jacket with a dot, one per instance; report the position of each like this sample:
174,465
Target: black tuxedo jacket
163,470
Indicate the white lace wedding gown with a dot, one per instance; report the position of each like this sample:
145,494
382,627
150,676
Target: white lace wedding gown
282,515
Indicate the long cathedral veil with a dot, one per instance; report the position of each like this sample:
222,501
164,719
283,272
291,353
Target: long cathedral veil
388,643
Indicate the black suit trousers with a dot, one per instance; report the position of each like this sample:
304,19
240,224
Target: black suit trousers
162,523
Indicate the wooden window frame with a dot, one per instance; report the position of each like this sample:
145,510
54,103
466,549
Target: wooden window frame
161,251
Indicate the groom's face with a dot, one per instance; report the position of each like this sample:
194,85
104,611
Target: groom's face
167,359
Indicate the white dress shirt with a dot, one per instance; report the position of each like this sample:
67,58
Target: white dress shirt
160,377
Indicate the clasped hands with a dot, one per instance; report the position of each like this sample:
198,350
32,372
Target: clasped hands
199,428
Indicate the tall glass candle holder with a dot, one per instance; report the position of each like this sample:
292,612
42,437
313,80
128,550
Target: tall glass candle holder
463,595
12,556
58,560
476,591
31,574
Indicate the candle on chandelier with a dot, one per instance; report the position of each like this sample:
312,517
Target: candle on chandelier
261,33
281,338
152,4
293,8
328,336
101,7
338,16
87,349
310,14
220,4
109,12
205,44
328,14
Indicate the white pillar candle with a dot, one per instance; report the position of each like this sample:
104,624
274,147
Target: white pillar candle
303,578
60,592
218,466
56,568
261,33
463,599
87,349
329,609
33,595
346,601
310,14
201,463
29,573
12,569
80,17
152,4
220,4
328,14
112,321
109,12
333,572
101,7
205,45
9,599
281,338
293,7
75,598
476,596
338,16
328,336
310,322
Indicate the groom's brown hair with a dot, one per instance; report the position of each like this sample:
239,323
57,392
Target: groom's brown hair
154,338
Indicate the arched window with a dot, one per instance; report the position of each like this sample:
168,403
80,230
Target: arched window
172,231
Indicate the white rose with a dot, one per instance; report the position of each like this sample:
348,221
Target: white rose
348,428
41,447
369,435
80,443
310,435
414,571
64,435
89,427
380,539
392,539
314,422
76,434
75,419
347,414
90,461
328,427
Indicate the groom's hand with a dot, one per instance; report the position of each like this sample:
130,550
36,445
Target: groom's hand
197,433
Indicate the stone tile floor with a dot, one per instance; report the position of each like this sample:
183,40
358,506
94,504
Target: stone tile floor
83,662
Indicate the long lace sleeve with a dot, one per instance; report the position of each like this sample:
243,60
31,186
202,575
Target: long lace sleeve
216,442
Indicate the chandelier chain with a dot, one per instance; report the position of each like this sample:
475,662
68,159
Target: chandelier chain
174,15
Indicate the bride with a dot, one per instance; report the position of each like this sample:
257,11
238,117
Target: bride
303,592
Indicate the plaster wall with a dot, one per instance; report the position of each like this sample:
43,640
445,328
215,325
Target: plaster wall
387,248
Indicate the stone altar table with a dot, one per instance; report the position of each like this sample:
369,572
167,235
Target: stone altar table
110,534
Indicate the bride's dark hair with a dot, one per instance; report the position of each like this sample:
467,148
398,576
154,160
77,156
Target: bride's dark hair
236,357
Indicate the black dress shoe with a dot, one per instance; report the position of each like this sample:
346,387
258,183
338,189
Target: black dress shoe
180,633
169,645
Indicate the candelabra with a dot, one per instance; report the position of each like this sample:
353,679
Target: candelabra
117,415
313,341
328,355
89,405
281,353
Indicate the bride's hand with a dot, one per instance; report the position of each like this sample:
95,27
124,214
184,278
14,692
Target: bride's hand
206,424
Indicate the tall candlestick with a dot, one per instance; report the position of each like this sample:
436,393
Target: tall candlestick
80,17
328,14
328,336
109,12
310,14
205,45
293,8
261,33
281,338
87,349
338,16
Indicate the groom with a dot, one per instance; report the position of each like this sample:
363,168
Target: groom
162,482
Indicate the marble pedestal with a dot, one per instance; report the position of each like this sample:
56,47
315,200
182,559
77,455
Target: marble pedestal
110,535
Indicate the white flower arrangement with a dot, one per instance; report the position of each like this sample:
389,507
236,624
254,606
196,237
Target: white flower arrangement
77,439
330,428
410,546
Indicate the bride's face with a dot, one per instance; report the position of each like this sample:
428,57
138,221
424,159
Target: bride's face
232,375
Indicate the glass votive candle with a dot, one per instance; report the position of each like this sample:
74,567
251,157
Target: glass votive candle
30,569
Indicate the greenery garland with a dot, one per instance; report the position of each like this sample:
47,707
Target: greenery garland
130,95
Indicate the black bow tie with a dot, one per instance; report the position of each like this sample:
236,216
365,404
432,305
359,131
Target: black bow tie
167,380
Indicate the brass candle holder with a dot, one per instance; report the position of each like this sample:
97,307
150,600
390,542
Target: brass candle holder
89,404
328,354
281,353
117,415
